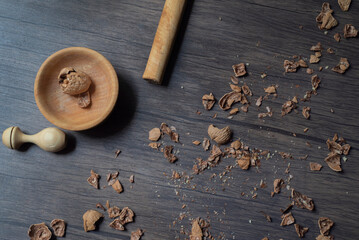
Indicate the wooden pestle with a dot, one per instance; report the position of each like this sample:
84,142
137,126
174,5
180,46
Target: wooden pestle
164,39
49,139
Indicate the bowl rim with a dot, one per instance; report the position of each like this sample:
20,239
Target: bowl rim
86,125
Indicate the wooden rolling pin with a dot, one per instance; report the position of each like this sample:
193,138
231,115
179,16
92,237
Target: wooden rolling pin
164,39
49,139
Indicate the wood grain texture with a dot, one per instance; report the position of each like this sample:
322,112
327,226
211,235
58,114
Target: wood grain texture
38,186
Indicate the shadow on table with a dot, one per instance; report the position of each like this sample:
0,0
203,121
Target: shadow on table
121,114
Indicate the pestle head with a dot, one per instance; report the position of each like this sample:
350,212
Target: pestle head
9,137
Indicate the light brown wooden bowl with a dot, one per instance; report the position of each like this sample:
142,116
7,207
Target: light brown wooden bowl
61,109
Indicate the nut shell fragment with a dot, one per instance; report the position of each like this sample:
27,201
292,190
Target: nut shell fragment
302,201
333,161
229,99
154,134
325,224
117,186
136,235
84,99
208,101
90,218
39,232
93,179
342,66
350,31
344,4
244,162
325,17
239,69
221,136
300,230
59,227
196,232
315,166
287,219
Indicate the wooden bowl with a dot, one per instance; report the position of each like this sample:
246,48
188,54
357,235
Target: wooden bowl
62,109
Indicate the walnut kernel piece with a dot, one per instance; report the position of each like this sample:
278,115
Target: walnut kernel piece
306,112
325,224
315,166
246,90
300,230
117,186
239,69
154,134
196,232
90,218
73,82
277,185
287,107
126,215
314,59
206,144
221,136
302,201
93,179
337,37
325,17
59,227
287,219
315,82
344,4
271,89
167,152
342,66
244,162
350,31
116,224
136,235
208,101
235,88
322,237
290,66
84,99
39,232
113,212
316,48
302,63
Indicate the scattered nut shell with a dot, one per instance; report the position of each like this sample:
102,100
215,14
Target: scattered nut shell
90,218
39,232
221,136
59,227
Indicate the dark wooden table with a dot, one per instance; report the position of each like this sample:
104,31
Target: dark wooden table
37,186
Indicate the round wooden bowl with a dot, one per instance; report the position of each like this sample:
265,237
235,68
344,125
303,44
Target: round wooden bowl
62,109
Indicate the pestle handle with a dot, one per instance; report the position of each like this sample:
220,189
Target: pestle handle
49,139
164,39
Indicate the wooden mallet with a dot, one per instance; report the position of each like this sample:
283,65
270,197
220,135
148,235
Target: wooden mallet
164,40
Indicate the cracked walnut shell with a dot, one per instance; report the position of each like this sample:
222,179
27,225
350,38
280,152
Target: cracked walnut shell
73,82
39,232
90,218
221,136
59,226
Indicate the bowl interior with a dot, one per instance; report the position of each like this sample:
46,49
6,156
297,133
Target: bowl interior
62,109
